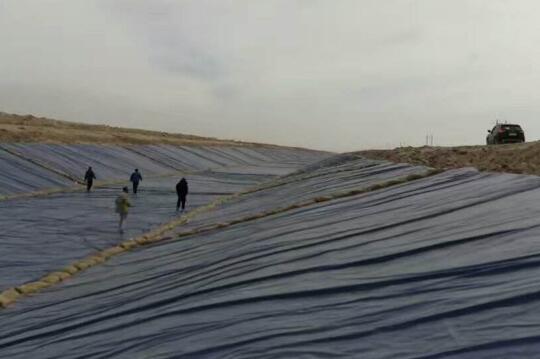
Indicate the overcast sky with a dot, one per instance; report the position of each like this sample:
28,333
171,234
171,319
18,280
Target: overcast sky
330,74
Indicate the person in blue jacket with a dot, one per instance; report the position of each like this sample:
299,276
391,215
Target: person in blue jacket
135,179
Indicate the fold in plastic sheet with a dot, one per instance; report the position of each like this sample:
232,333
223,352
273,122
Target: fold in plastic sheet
443,267
18,175
40,235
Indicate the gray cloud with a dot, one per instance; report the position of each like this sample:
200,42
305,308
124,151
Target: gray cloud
338,75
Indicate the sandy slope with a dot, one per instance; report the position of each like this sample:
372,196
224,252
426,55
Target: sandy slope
513,158
28,128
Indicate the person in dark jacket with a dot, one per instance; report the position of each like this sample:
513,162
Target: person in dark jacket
181,191
89,178
135,179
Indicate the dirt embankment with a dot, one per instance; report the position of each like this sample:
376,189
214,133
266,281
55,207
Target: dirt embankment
28,128
513,158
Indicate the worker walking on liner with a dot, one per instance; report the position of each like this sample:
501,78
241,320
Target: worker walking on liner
135,179
89,178
181,191
122,207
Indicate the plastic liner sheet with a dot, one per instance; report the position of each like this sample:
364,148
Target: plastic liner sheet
116,162
273,169
293,155
18,175
108,162
342,175
218,157
172,156
230,159
443,267
44,234
215,158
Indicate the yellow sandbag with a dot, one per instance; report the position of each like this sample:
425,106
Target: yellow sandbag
89,262
51,279
96,259
61,275
129,244
107,253
82,264
155,239
142,240
71,269
8,297
34,287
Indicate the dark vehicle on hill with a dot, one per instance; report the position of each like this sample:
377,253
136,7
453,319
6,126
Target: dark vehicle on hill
505,133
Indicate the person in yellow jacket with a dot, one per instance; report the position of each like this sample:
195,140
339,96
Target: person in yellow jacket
122,207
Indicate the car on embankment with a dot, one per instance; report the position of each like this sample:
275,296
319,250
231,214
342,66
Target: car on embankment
505,133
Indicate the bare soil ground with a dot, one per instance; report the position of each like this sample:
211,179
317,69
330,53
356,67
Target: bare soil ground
513,158
28,128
